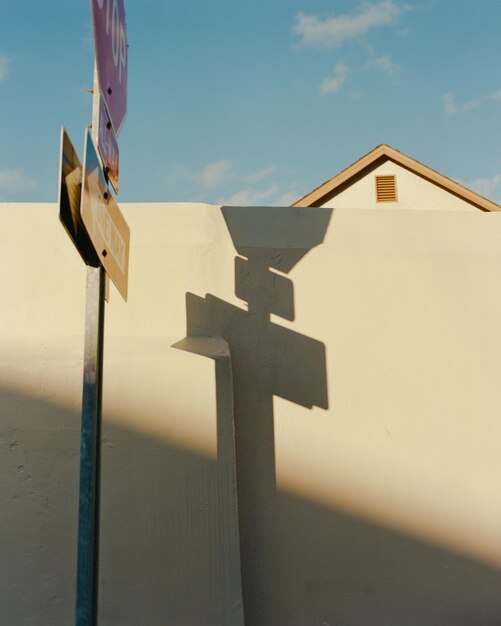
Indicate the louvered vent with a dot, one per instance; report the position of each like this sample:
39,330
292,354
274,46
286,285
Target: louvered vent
386,189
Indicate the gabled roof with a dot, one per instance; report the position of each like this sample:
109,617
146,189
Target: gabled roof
382,153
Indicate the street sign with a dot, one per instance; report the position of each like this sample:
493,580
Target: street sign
97,227
107,146
110,41
105,224
70,192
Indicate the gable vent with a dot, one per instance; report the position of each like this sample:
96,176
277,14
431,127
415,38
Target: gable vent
386,189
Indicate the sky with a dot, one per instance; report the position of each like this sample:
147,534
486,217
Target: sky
255,102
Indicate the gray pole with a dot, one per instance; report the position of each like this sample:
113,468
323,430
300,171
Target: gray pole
90,446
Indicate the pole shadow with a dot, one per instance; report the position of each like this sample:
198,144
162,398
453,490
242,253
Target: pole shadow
268,360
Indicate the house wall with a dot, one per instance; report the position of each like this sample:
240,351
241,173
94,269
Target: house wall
365,375
413,192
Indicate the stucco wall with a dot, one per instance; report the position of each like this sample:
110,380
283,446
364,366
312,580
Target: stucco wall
366,362
413,192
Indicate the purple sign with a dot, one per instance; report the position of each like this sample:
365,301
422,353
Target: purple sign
107,146
110,40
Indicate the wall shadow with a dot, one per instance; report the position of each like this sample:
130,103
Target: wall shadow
160,548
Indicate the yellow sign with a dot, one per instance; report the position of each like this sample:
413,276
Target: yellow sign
104,222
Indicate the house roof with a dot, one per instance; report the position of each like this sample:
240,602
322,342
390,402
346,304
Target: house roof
382,153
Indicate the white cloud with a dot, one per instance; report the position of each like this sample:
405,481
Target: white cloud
450,103
211,175
250,197
225,185
288,198
15,181
452,106
215,173
272,196
334,31
261,174
5,62
497,97
384,64
332,84
488,187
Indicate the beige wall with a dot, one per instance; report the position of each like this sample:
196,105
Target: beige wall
366,373
413,192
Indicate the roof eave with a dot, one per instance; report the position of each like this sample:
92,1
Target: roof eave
328,188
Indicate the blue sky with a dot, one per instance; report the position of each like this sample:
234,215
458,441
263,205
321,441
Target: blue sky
259,101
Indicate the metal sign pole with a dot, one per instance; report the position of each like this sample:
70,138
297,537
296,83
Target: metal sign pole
90,452
97,223
90,447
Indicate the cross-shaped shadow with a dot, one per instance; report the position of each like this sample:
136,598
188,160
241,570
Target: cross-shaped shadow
268,360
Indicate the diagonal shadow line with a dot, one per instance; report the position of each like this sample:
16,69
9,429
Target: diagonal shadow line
334,568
